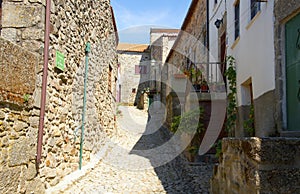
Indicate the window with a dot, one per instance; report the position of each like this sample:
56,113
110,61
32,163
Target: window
140,69
237,20
109,78
255,8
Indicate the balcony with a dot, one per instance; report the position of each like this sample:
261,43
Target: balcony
203,78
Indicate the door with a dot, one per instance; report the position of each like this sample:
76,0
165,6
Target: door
223,56
292,30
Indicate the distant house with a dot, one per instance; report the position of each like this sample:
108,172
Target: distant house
134,72
161,43
192,80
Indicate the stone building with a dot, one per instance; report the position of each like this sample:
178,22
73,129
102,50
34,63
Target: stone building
161,42
134,68
188,74
22,44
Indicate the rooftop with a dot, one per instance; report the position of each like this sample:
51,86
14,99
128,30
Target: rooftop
161,30
132,47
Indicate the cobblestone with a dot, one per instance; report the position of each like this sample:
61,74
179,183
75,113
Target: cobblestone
123,171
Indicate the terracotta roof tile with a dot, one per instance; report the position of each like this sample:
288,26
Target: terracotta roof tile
132,47
160,30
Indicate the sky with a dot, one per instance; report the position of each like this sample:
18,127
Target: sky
134,18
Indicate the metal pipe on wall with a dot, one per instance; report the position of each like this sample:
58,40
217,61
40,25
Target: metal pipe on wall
207,38
87,51
44,85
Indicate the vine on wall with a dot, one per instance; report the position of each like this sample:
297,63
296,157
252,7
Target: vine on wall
249,123
230,73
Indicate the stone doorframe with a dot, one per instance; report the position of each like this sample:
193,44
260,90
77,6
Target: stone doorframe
283,13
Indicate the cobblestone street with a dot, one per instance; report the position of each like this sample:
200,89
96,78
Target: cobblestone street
122,169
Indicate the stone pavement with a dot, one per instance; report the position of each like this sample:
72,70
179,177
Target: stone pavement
132,164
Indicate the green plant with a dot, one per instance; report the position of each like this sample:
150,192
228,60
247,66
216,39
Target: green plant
119,112
249,123
146,90
195,74
189,121
218,146
230,73
193,150
26,97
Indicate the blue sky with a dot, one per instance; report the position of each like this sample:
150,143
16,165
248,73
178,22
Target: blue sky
135,17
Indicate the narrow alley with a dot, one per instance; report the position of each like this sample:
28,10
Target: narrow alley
117,97
122,171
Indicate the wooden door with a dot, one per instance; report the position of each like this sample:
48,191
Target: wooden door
292,30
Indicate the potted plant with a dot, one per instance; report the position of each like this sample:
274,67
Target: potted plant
196,79
186,72
204,86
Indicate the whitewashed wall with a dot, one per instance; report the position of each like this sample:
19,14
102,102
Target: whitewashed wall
254,52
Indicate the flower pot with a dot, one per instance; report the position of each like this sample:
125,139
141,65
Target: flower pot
204,88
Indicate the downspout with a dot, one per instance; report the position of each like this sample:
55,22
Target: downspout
44,85
207,37
87,51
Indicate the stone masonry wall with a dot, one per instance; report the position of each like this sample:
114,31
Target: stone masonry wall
73,24
254,165
18,126
189,45
129,79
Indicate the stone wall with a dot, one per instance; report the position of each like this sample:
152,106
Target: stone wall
162,41
18,72
73,24
264,115
129,80
254,165
188,46
18,119
23,23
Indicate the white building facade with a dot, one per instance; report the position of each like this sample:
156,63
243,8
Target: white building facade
245,30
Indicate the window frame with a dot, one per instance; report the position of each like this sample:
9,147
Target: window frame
140,69
255,8
237,26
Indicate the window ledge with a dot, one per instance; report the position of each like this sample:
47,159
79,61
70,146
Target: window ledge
235,42
253,20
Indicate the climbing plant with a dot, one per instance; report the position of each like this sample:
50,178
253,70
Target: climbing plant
249,123
189,121
230,73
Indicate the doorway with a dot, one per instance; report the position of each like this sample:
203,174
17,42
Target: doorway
292,42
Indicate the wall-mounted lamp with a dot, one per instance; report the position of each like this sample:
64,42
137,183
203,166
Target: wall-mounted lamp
218,23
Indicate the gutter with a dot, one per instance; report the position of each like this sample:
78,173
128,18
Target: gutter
44,85
207,36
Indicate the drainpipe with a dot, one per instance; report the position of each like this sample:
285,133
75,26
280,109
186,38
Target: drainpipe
87,51
207,37
44,85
